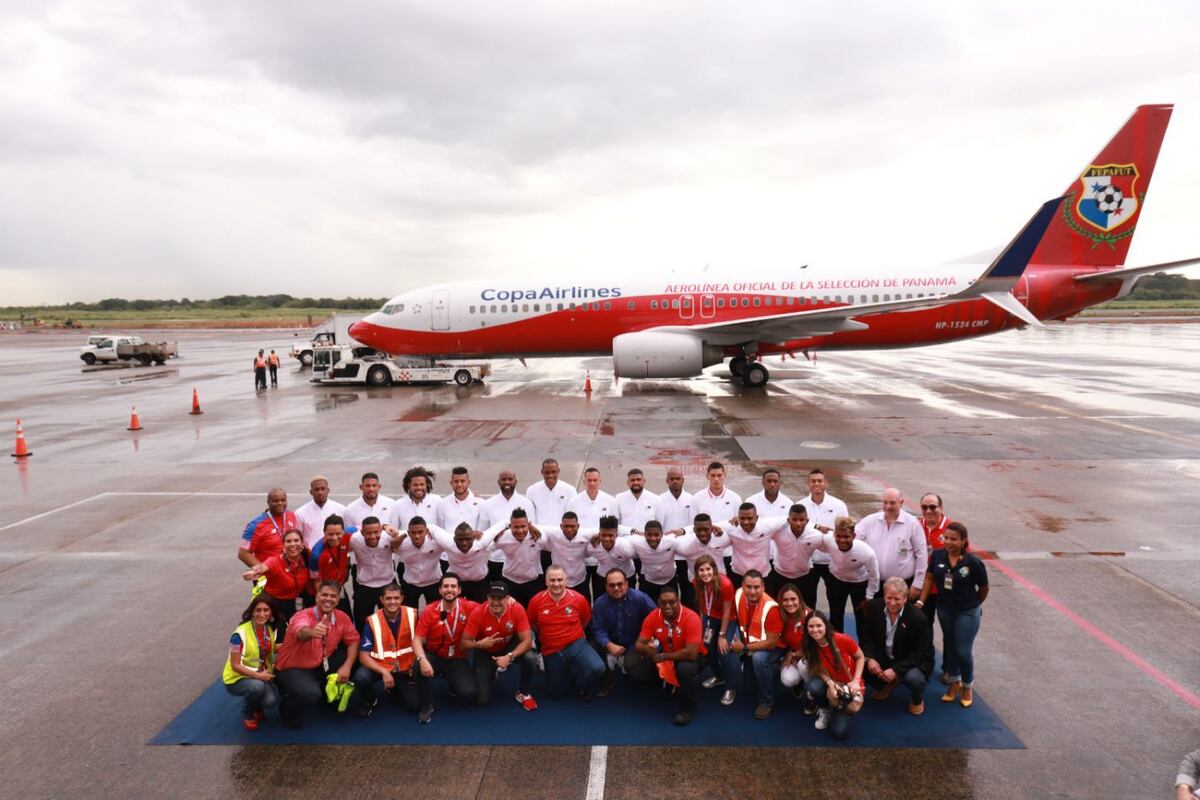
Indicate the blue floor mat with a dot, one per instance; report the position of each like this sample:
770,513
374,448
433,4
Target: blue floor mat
631,715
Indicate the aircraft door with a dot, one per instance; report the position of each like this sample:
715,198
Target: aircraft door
440,320
687,306
708,307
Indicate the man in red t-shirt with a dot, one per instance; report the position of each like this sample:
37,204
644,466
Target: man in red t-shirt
559,617
670,646
439,649
934,521
320,641
330,557
498,631
263,535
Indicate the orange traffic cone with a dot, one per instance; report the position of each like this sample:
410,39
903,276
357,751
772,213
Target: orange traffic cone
135,424
195,403
587,383
22,449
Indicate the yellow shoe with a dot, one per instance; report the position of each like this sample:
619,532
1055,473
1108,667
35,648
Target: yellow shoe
952,692
968,697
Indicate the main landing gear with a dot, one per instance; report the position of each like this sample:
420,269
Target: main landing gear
751,373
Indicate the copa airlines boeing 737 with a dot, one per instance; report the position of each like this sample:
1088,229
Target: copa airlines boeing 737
1069,256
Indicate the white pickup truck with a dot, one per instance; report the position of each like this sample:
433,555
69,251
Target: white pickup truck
343,365
111,349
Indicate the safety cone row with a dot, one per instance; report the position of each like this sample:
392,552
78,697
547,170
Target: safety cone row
587,383
195,403
22,448
135,424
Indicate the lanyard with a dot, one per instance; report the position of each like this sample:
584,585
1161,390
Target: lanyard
278,529
452,615
337,557
317,621
264,647
709,596
670,626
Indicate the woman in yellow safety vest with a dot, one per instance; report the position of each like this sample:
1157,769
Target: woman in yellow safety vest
250,668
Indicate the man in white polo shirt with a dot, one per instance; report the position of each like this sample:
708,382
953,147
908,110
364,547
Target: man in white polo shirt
823,509
568,546
898,540
674,511
719,503
467,551
370,504
636,505
853,573
418,500
591,504
771,502
549,496
522,555
372,549
422,559
499,508
311,516
460,506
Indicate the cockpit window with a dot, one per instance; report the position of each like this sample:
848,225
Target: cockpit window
393,308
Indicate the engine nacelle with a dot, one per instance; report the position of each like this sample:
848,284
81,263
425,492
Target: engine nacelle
662,354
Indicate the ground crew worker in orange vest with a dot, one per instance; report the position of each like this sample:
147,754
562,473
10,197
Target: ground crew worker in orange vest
273,365
385,654
260,371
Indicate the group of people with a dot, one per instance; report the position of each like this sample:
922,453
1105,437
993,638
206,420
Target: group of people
262,365
688,591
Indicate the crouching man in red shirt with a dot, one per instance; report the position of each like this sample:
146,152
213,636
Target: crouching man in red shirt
670,647
319,641
559,617
439,649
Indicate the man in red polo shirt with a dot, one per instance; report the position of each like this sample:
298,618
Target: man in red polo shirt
559,617
439,649
670,646
934,522
320,641
263,536
330,558
498,631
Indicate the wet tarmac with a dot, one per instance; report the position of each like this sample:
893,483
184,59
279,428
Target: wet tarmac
1072,452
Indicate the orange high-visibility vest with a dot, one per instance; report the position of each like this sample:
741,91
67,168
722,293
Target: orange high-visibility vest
274,359
753,628
395,651
260,362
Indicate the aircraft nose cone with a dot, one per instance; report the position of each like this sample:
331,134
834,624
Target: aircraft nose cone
359,330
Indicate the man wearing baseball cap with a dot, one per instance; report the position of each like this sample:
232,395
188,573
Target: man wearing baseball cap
498,632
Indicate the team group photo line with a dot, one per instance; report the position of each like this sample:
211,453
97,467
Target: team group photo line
588,594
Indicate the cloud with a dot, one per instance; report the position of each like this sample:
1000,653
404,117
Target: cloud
359,148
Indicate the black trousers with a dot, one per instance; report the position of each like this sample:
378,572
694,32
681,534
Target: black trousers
456,671
687,592
366,600
524,592
303,689
368,685
688,672
476,591
837,592
274,370
260,378
807,584
653,589
413,594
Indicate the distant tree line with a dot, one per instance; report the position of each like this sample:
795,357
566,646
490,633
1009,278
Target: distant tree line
230,301
1164,286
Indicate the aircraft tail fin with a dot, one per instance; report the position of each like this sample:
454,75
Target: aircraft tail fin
1099,214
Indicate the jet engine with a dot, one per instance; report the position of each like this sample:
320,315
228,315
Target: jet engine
662,354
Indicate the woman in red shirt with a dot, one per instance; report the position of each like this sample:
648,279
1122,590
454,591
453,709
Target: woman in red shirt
792,670
835,663
288,576
714,601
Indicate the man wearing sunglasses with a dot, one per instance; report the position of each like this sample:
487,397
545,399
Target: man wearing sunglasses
934,522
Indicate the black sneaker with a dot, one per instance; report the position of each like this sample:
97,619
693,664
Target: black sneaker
425,715
584,697
367,709
684,716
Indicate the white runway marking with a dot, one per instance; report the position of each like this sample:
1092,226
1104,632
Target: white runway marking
51,511
597,772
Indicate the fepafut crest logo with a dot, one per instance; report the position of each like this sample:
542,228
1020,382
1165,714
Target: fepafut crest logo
1105,203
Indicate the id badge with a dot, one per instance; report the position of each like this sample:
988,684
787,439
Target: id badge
299,604
325,664
948,581
708,636
451,652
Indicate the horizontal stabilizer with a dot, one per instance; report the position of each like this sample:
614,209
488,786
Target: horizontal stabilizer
1133,272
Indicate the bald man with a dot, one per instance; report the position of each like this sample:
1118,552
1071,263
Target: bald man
263,536
898,540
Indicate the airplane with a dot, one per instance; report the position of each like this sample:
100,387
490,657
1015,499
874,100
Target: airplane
1069,256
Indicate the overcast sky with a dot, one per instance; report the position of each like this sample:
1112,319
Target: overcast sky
170,149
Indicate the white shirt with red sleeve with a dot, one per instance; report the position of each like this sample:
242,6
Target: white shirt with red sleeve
793,554
690,547
620,557
752,549
311,519
570,554
422,565
899,546
471,565
558,623
658,563
522,559
855,565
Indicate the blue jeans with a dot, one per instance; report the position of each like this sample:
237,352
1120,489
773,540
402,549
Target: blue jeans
817,691
576,663
765,665
714,661
255,695
959,629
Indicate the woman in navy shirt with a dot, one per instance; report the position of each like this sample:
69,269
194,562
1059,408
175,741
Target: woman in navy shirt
962,585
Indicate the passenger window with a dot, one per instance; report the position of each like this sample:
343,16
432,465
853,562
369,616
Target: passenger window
572,306
631,305
791,301
493,309
757,302
537,307
595,306
504,309
675,303
720,302
560,306
472,309
887,298
654,305
862,298
608,305
874,298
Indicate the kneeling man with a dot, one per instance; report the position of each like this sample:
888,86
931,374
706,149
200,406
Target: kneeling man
670,647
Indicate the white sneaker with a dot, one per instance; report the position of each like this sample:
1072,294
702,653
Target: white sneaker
822,719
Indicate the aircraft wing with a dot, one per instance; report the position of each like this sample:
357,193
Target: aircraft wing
1133,272
993,284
